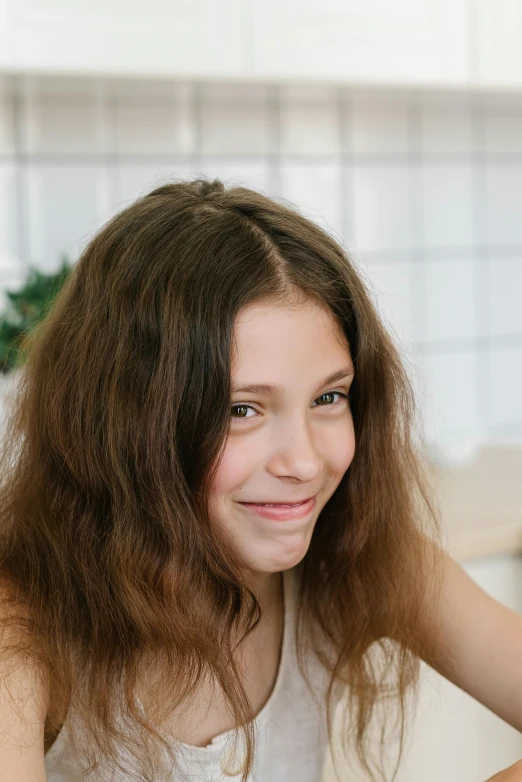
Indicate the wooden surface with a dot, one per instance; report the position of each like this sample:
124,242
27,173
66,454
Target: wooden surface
481,503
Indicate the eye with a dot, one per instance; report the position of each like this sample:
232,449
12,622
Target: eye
327,395
331,394
241,407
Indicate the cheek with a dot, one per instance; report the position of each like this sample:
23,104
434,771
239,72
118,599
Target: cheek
234,469
342,449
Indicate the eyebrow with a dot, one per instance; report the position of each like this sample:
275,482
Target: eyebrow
267,389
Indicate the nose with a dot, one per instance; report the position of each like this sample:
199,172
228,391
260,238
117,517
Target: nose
294,451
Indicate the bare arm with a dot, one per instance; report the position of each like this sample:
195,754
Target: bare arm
511,774
478,643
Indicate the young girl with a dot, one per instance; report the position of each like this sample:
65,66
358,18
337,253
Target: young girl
215,521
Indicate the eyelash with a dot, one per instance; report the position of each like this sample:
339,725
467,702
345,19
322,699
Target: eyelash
326,393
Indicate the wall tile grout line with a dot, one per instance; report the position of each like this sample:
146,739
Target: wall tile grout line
109,99
197,114
418,270
346,187
22,221
481,265
311,158
479,344
274,138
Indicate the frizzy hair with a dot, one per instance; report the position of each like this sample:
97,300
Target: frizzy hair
118,424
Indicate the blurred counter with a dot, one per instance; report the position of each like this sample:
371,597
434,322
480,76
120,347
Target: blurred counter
480,503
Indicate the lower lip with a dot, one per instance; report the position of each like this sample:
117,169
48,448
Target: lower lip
280,513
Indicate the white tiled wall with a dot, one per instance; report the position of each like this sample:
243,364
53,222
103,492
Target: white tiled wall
424,189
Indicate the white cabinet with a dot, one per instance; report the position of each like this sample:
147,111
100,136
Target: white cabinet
405,41
453,737
3,35
440,43
185,38
498,53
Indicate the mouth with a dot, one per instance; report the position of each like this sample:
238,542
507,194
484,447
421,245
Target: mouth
281,511
282,503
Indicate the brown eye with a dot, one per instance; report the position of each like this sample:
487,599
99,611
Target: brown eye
241,407
330,394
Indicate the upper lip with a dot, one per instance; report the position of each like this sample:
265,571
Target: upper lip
277,502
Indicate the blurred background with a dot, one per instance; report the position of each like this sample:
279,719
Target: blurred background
397,127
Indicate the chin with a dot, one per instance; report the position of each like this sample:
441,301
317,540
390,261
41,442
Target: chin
278,564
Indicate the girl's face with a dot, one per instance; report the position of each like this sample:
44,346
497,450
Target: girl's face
287,443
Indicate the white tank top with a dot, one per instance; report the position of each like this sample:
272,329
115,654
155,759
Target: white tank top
291,729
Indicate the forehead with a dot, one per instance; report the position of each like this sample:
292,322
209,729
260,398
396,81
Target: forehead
272,329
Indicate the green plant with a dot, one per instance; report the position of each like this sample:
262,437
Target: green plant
25,309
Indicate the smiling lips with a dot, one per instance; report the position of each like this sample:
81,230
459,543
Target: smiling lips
281,511
278,504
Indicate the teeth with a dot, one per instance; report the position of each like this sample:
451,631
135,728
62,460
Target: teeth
280,505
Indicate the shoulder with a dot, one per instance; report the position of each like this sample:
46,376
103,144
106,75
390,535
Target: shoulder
22,680
24,694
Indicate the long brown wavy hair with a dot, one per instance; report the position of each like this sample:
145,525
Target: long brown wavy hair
117,426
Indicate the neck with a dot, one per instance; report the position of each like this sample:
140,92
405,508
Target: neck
268,588
269,591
